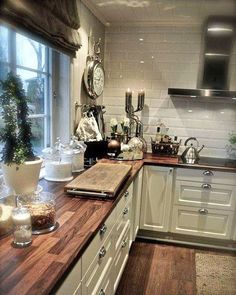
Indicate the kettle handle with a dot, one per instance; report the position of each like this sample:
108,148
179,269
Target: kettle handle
191,138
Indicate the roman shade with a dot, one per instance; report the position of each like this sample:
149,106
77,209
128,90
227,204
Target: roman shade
54,21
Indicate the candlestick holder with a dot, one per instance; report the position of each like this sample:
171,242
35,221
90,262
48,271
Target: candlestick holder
130,110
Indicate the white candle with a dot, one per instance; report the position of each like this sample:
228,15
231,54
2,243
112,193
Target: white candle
21,219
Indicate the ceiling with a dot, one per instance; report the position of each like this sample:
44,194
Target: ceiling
157,12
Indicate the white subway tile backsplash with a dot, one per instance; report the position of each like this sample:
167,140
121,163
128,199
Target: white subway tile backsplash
167,57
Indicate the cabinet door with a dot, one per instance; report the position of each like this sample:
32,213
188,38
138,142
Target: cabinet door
234,233
136,204
156,198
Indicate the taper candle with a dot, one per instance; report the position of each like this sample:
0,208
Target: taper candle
128,100
141,96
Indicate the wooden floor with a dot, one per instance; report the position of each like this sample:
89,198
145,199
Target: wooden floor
159,269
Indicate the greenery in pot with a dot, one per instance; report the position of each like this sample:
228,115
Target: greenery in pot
232,138
16,133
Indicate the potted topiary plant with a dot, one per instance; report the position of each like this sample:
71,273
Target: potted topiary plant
20,166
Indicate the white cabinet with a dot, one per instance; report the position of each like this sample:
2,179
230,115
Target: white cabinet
104,260
204,203
156,198
137,194
72,283
234,234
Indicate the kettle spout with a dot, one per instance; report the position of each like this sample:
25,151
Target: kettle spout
200,148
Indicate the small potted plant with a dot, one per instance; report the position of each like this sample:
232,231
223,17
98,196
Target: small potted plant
113,125
232,139
20,166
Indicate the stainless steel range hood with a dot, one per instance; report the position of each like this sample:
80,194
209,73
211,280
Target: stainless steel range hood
213,75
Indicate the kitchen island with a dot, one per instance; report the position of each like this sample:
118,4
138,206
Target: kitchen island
41,267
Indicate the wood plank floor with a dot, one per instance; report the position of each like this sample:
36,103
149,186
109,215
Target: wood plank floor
159,269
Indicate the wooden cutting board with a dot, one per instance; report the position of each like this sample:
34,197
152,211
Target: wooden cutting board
101,178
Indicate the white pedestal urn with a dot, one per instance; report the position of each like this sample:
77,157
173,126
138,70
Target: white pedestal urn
23,178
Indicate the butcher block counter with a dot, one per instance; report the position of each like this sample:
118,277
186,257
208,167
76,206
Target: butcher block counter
39,268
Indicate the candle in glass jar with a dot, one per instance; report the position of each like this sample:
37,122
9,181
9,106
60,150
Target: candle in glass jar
22,232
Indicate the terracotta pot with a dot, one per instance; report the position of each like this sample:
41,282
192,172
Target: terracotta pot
23,178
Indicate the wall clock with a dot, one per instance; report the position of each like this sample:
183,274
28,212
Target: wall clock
94,75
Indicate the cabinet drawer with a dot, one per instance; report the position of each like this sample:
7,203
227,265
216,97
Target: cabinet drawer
99,269
98,241
202,222
125,199
105,288
218,196
205,176
123,222
121,258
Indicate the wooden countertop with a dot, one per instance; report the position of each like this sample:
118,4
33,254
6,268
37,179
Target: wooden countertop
37,268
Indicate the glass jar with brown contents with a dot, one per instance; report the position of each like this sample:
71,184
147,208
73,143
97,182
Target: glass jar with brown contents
42,210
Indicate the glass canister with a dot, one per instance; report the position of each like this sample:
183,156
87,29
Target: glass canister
42,210
7,203
78,161
78,149
58,166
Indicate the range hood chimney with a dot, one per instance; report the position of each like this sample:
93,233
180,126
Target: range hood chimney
213,75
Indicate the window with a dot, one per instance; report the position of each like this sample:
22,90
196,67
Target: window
39,68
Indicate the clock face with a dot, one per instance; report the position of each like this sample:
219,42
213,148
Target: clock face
98,80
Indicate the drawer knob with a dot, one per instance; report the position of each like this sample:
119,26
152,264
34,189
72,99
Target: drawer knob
103,229
102,292
124,243
102,252
203,211
206,186
125,211
126,194
208,173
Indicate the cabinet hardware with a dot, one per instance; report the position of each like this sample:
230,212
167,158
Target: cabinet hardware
206,186
103,229
126,194
203,211
124,243
101,292
208,173
102,252
125,211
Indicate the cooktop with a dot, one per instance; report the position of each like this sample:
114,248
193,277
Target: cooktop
218,162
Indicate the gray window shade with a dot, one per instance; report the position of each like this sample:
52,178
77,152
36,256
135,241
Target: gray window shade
55,21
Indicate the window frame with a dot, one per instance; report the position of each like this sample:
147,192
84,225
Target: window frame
12,65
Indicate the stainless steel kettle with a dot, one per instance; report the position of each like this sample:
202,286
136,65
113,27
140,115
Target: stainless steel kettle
191,153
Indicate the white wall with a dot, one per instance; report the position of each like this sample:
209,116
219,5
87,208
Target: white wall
168,56
91,29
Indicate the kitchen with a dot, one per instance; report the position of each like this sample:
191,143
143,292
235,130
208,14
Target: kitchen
150,45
